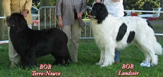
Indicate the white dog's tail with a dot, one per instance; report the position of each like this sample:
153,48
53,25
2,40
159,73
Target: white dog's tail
158,49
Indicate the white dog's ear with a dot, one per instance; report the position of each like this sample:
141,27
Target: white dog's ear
102,12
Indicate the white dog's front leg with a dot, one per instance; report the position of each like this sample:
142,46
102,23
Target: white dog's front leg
102,55
109,56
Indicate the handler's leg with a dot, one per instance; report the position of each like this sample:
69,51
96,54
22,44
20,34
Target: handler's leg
117,56
13,56
76,31
67,30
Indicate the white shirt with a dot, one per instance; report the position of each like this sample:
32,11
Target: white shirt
115,8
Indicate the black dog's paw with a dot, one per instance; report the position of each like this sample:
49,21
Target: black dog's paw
63,63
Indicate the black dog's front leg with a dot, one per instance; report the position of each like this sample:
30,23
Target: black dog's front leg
31,61
23,62
28,61
58,60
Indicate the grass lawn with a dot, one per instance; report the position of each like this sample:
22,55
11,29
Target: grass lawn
88,55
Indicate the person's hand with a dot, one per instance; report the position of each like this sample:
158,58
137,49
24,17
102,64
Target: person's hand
80,15
90,16
25,12
116,0
7,18
60,23
98,1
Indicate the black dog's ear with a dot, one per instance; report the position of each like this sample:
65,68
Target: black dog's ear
23,21
103,13
17,20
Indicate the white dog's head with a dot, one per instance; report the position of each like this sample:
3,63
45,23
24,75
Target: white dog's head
99,12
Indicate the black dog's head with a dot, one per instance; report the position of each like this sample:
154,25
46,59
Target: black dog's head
16,20
99,12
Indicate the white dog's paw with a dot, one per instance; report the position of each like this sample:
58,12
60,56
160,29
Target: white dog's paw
99,63
154,63
104,65
154,60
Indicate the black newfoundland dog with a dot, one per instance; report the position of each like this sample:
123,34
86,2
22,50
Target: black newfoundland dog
30,44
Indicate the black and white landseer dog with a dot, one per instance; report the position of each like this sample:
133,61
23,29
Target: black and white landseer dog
118,32
30,44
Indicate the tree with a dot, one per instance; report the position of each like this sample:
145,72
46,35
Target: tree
141,4
35,3
2,28
90,2
47,3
